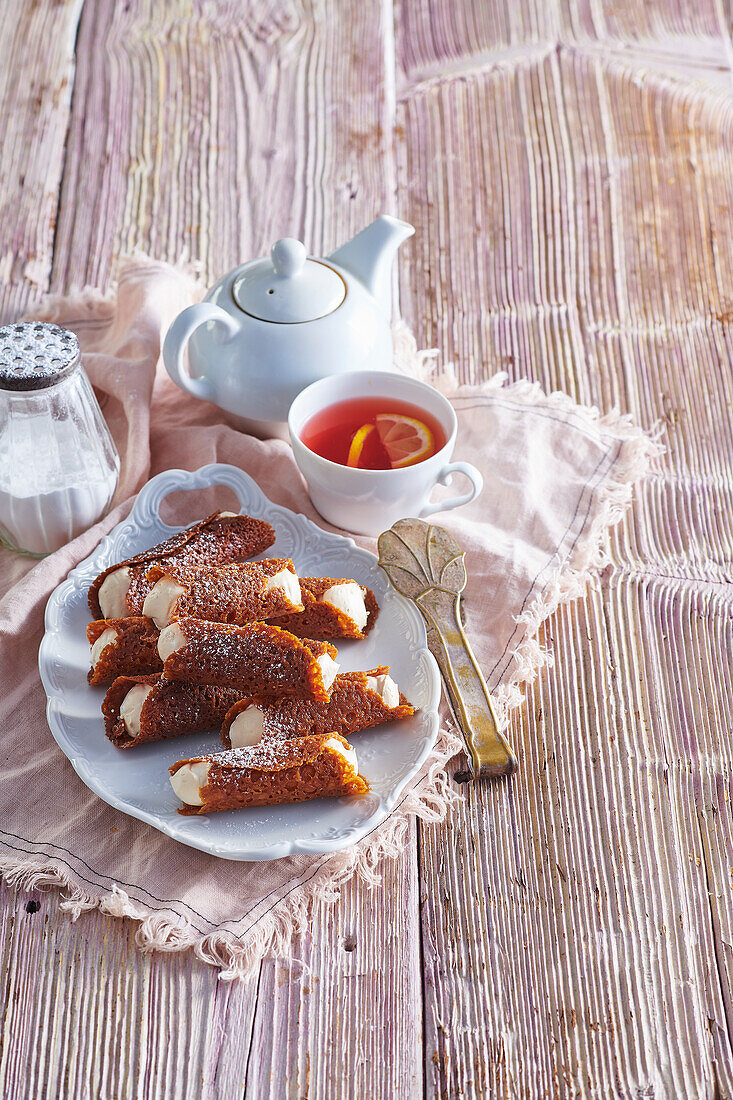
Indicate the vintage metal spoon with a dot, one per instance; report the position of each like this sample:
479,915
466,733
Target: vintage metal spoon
426,564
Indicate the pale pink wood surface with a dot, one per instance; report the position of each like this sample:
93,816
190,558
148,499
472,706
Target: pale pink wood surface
567,166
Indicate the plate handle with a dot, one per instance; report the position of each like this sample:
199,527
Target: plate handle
152,495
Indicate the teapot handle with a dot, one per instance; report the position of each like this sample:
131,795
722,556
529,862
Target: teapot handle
178,336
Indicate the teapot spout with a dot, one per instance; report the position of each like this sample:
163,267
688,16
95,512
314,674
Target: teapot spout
370,254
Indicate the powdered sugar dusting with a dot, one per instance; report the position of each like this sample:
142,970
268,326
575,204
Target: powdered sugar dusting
234,593
275,755
212,541
255,658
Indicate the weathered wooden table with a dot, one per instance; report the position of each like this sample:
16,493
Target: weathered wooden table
567,164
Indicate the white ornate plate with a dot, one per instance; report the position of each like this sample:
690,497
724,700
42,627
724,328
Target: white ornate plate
137,781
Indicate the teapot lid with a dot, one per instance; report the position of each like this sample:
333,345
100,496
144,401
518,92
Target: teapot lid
289,288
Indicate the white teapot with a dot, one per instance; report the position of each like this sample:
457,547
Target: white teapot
274,325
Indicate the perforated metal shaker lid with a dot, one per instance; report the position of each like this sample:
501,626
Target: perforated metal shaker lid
35,355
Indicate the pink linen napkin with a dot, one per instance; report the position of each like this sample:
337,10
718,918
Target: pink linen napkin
557,476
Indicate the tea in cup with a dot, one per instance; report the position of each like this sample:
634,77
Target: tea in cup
372,445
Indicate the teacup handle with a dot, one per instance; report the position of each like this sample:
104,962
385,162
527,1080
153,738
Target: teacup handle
178,336
444,478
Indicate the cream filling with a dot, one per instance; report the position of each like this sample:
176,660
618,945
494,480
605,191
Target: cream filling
349,755
112,593
159,601
289,584
348,598
247,728
101,643
386,688
188,781
329,668
131,706
226,515
171,639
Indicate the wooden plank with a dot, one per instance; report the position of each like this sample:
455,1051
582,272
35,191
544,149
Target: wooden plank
37,43
442,41
576,927
573,906
344,1019
545,285
206,132
438,41
680,32
87,1014
502,294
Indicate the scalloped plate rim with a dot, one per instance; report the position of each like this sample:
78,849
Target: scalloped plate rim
137,520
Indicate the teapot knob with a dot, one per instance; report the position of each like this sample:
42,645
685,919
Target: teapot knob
288,257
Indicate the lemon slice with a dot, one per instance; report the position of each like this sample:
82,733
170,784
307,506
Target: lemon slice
357,444
405,439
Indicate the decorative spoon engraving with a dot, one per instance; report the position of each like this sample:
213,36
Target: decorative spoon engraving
426,564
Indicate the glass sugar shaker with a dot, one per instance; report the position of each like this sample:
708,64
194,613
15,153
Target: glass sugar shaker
58,464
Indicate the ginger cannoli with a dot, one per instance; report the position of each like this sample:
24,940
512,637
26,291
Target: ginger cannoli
139,709
122,647
268,775
256,659
332,608
221,538
358,701
226,594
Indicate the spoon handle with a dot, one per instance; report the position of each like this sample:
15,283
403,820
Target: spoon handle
489,753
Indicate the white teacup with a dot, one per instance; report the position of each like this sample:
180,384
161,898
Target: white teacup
368,502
